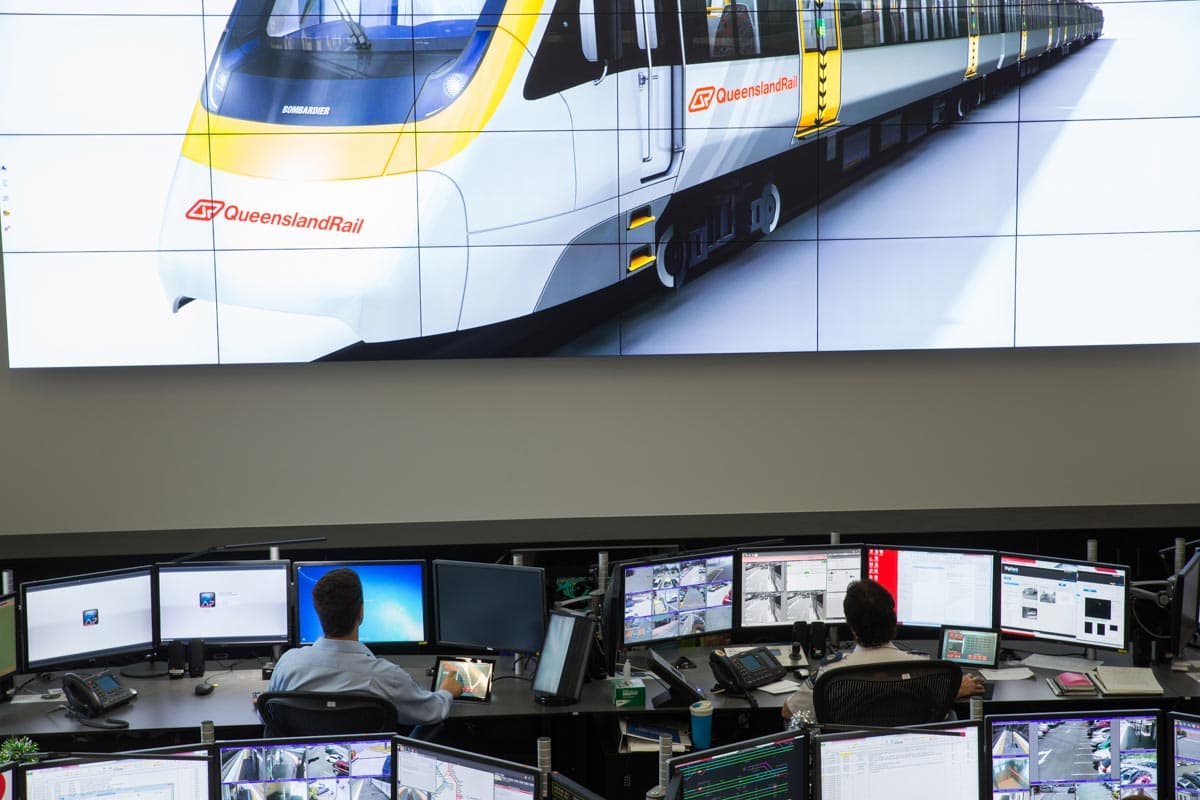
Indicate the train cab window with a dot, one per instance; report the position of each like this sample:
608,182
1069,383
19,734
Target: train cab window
819,26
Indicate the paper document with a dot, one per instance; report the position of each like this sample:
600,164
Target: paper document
1008,674
779,687
1126,680
1059,663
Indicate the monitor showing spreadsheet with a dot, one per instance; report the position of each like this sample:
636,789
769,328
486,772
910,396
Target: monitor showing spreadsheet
179,777
933,588
940,761
780,586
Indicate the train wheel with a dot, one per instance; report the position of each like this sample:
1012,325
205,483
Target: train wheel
672,266
770,205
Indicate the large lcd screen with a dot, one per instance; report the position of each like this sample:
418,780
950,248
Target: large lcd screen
370,178
800,584
393,600
357,768
495,606
686,596
180,777
901,765
1094,754
87,616
1065,601
425,770
1187,756
230,602
935,588
770,766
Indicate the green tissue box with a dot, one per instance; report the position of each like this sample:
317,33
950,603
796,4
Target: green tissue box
631,693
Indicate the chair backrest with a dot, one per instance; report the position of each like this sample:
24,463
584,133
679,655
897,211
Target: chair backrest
911,692
321,713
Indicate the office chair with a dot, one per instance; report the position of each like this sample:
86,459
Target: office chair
339,713
889,694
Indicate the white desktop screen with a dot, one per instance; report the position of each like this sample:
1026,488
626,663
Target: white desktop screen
245,602
934,588
784,586
87,616
1063,600
902,766
144,778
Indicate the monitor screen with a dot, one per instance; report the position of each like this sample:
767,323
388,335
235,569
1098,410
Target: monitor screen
1185,597
685,596
564,656
933,588
766,767
1186,756
495,606
942,759
8,635
326,767
393,600
1065,601
1091,754
87,616
6,782
563,788
236,602
799,584
179,777
969,647
425,770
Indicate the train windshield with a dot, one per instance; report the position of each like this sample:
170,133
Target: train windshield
307,51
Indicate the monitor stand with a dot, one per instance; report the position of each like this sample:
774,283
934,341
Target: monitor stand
147,669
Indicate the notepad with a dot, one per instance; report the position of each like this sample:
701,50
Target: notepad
1126,680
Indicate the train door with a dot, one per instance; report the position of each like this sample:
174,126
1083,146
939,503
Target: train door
644,92
972,38
820,66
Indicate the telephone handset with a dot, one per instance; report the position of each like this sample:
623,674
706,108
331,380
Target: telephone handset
747,670
88,696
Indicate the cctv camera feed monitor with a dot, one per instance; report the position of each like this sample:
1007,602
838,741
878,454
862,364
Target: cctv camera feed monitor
767,767
1100,754
8,635
393,600
1187,756
493,606
87,616
174,777
684,597
780,587
366,179
334,768
1067,601
934,588
233,602
905,765
425,771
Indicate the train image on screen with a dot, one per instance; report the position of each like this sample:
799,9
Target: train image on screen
420,167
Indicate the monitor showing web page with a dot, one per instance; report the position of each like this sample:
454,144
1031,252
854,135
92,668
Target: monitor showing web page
933,588
1066,601
780,587
901,766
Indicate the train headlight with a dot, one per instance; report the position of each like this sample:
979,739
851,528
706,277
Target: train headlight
218,82
453,85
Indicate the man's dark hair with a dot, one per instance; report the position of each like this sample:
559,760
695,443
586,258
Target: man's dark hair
338,597
870,612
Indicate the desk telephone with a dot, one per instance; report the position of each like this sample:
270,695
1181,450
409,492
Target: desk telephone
746,671
91,695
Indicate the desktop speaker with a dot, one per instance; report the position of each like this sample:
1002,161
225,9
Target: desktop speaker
800,639
195,658
816,639
176,660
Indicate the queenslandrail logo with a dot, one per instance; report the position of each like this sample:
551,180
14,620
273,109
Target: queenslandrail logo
705,96
204,210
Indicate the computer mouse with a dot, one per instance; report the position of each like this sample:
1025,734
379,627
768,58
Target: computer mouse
204,689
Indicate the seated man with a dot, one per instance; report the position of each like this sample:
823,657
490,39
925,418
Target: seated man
871,615
338,662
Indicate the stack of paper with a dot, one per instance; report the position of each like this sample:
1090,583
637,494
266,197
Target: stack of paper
1126,680
637,737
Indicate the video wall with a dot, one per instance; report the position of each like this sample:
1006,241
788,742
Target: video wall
234,181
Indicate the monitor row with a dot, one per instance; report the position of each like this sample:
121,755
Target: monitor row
1092,754
96,616
760,588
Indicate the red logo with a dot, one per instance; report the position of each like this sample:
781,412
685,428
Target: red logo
702,98
205,210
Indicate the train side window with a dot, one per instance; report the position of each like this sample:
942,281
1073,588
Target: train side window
720,33
860,21
559,63
777,32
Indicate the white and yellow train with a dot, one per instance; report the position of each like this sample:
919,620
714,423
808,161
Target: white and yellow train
417,167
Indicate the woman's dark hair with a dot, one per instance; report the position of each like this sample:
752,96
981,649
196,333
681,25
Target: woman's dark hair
338,598
870,612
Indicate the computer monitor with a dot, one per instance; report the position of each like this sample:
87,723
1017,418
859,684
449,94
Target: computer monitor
685,595
768,766
394,607
1186,756
236,602
1085,754
563,662
969,647
177,776
1185,597
7,771
87,617
1064,601
423,769
8,643
563,788
933,587
494,606
940,760
780,586
306,767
